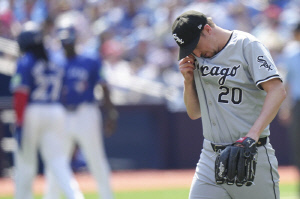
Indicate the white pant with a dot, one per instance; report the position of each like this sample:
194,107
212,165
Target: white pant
84,127
43,129
266,182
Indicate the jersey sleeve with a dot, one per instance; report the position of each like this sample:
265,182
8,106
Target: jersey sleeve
21,79
261,65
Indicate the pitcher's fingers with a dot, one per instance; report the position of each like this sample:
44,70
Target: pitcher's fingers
187,65
186,59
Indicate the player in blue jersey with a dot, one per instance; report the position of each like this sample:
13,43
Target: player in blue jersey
84,122
40,117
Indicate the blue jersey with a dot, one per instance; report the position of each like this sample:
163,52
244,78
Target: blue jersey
42,79
81,76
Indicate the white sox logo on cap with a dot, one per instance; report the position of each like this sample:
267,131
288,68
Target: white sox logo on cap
177,39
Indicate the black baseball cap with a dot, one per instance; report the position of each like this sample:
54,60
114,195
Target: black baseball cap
186,31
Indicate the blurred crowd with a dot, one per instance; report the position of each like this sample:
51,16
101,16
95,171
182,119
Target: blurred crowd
134,39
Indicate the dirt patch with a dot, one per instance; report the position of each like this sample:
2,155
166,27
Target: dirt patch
139,180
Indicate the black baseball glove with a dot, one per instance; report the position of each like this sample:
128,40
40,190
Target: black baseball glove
237,163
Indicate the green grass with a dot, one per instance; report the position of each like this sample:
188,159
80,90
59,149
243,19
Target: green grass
287,191
157,194
149,194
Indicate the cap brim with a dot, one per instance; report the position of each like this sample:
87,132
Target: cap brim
188,49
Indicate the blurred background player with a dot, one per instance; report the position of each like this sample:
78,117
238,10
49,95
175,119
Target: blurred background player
40,117
84,120
290,112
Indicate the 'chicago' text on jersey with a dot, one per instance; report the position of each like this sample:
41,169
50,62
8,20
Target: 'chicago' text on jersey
218,71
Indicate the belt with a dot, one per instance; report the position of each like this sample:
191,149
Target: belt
218,147
71,108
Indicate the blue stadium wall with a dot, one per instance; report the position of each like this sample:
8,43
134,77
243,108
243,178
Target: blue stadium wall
152,137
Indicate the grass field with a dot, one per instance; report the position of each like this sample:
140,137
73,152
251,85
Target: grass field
152,194
160,184
288,191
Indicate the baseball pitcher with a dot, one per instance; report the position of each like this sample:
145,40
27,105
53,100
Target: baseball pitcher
232,83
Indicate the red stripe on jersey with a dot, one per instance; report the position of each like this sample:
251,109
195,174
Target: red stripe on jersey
20,99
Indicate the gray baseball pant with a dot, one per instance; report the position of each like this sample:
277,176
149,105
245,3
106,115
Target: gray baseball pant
266,182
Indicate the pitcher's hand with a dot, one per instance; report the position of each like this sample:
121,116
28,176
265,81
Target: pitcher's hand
187,66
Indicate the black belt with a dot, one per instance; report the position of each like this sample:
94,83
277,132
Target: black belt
71,108
218,147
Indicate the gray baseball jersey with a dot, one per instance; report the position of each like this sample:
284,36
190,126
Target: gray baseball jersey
231,99
228,87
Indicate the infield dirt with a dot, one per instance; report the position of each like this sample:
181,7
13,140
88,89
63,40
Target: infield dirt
139,180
